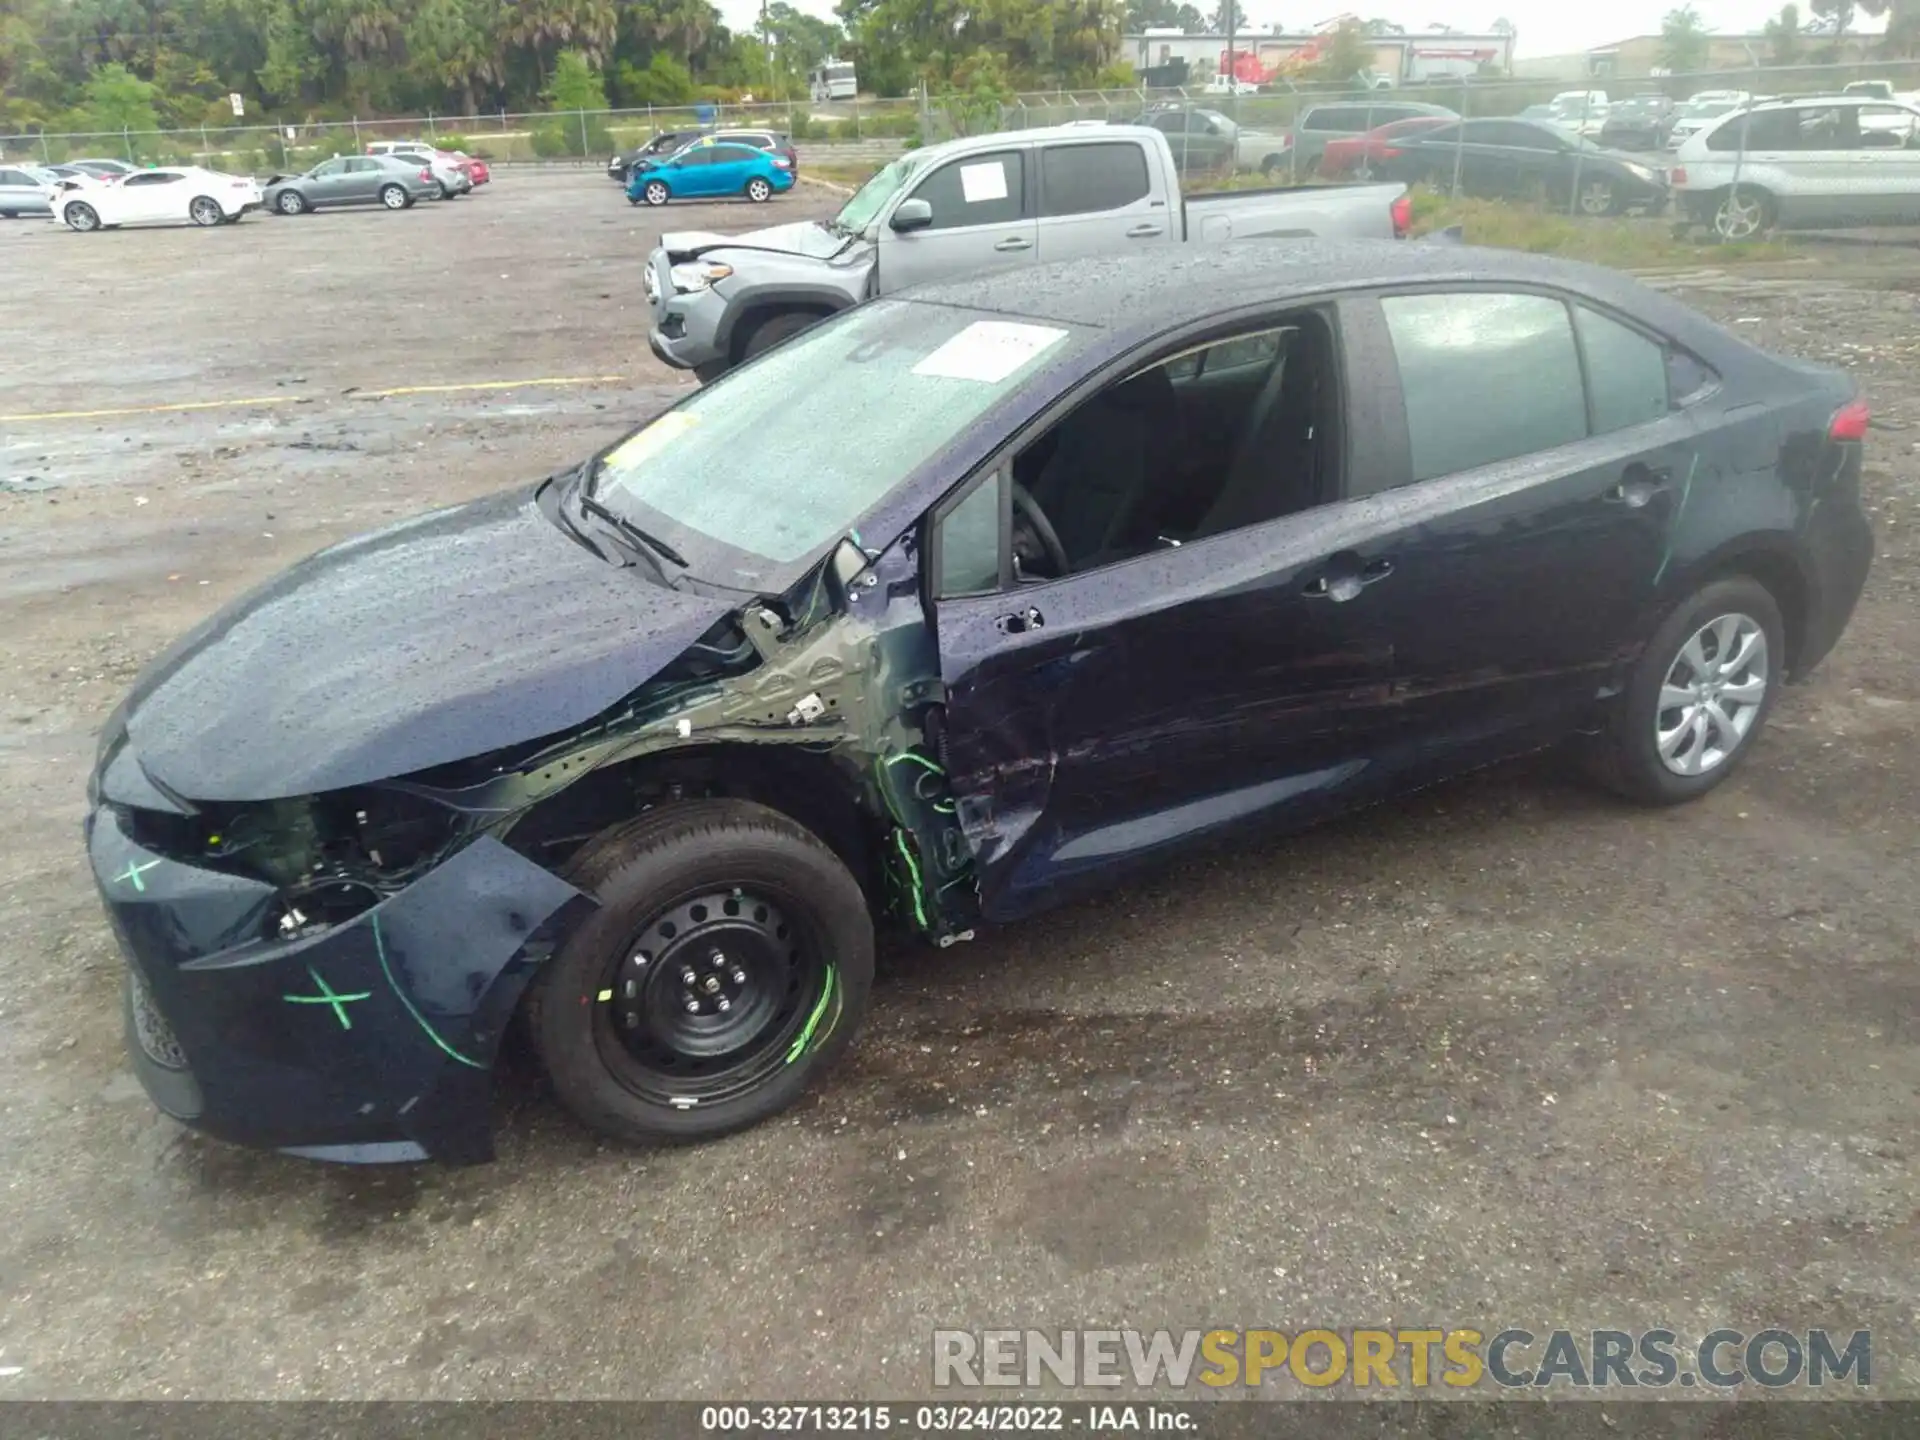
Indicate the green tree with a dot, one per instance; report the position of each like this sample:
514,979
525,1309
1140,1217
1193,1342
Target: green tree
663,81
117,99
575,84
454,47
1684,45
1228,16
1347,56
1903,23
1783,36
1163,14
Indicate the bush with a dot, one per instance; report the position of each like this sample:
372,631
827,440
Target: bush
553,141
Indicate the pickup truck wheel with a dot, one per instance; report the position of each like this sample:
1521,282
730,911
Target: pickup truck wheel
775,328
711,371
729,964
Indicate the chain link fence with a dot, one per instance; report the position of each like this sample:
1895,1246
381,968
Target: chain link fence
1212,136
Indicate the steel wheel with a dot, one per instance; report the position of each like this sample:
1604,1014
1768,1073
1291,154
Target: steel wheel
714,993
656,192
1596,197
1740,216
291,202
758,189
82,216
1712,694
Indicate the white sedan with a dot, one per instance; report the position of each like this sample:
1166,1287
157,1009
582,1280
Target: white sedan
170,196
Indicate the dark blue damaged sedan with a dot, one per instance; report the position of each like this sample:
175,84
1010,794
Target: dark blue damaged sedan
953,606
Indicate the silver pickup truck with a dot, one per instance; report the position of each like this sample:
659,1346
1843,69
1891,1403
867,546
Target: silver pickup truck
987,201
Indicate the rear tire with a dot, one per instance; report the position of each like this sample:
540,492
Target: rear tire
205,211
1743,212
759,191
761,914
1651,750
775,328
395,197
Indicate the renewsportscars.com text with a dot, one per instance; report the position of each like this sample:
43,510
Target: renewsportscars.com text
1417,1359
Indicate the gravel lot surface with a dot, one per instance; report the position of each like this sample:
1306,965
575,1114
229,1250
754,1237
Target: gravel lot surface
1507,1053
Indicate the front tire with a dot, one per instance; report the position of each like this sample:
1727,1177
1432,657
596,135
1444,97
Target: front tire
1698,697
775,328
728,966
759,191
395,197
655,192
1597,198
82,217
291,202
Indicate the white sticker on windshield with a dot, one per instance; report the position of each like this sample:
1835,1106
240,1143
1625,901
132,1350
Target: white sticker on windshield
983,182
989,351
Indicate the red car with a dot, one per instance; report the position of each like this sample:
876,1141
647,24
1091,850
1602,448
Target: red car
476,167
1353,153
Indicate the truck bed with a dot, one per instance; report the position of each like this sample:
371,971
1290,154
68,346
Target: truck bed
1361,212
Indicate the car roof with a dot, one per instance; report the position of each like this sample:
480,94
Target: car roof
1159,292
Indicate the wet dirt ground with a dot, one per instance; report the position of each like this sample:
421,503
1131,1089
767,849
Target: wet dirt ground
1507,1053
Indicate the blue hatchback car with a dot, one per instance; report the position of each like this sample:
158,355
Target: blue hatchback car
711,169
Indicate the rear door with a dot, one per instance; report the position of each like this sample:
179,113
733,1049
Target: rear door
1097,197
1887,167
361,179
729,166
18,192
1530,512
983,218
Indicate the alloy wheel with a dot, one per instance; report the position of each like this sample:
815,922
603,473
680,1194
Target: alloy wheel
1713,693
1739,217
1596,198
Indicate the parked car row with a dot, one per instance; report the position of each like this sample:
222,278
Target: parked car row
87,195
707,164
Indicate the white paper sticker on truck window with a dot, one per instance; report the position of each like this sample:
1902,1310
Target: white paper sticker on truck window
984,182
989,351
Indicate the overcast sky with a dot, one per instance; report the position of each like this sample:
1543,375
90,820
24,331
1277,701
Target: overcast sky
1546,27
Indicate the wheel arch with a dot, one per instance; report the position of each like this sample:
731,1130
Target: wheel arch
1773,563
809,787
751,311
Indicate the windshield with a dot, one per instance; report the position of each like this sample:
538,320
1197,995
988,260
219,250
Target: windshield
766,469
871,198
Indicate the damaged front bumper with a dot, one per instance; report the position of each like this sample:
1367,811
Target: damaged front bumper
369,1040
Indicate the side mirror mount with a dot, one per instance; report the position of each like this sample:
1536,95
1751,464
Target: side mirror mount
913,214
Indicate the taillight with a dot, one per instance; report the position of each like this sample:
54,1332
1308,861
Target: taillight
1402,211
426,177
1850,421
1389,152
781,162
1677,175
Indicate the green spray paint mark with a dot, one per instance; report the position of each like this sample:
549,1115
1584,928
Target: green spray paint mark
133,873
380,949
800,1041
329,996
1673,525
913,873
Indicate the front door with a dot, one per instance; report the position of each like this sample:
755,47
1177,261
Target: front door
153,195
1102,718
728,168
983,219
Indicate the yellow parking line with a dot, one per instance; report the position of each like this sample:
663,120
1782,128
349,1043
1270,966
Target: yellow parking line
290,399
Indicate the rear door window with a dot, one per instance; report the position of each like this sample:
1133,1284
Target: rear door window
1486,377
1075,179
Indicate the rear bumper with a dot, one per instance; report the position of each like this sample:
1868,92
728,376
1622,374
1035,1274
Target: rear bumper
371,1040
1839,540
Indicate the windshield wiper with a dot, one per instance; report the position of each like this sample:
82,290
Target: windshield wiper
633,532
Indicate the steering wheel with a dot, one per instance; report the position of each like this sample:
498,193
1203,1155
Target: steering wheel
1043,531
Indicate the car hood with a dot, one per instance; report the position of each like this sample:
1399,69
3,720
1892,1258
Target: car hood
443,637
802,237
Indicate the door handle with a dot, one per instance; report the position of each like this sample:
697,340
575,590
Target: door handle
1020,622
1637,487
1346,580
1014,242
1143,232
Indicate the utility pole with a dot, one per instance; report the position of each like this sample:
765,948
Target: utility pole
1232,11
766,39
